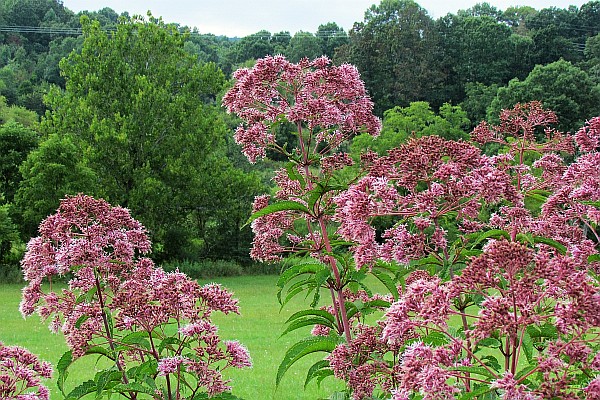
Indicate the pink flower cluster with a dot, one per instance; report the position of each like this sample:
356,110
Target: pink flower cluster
419,184
101,246
510,240
330,102
21,374
530,293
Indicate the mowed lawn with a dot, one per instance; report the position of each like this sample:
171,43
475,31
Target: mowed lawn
258,328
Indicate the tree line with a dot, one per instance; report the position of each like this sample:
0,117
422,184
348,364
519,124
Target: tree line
128,108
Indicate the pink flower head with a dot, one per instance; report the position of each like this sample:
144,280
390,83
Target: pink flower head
217,298
169,365
329,102
21,374
592,390
588,137
510,388
84,233
239,355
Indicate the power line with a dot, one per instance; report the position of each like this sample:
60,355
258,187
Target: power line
48,30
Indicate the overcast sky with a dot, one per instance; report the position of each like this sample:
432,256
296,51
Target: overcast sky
244,17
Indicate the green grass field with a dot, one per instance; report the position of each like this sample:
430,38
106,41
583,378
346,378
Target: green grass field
258,328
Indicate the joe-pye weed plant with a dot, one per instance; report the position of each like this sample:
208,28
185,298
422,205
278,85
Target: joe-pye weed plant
152,328
491,262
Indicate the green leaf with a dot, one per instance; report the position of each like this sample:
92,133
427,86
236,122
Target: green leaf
86,387
435,339
99,350
147,368
317,369
476,370
338,396
527,345
290,295
139,338
315,195
545,331
591,203
387,282
430,259
307,321
300,268
293,174
594,258
491,362
304,347
81,320
302,313
525,371
489,342
103,378
283,205
169,340
479,391
63,364
493,233
552,243
133,387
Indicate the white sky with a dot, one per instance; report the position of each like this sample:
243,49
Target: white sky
244,17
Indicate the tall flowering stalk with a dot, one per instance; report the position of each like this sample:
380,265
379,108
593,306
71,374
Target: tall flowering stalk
154,327
327,105
504,298
496,257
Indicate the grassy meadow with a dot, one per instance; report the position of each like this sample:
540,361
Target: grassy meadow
258,328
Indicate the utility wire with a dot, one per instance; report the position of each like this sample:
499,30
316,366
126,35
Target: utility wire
48,30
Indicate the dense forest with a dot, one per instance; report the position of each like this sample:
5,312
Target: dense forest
128,108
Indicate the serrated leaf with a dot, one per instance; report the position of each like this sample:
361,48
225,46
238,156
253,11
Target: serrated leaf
525,371
86,387
63,364
149,367
491,362
133,387
315,195
290,295
304,347
139,338
430,259
316,369
294,175
283,205
103,378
